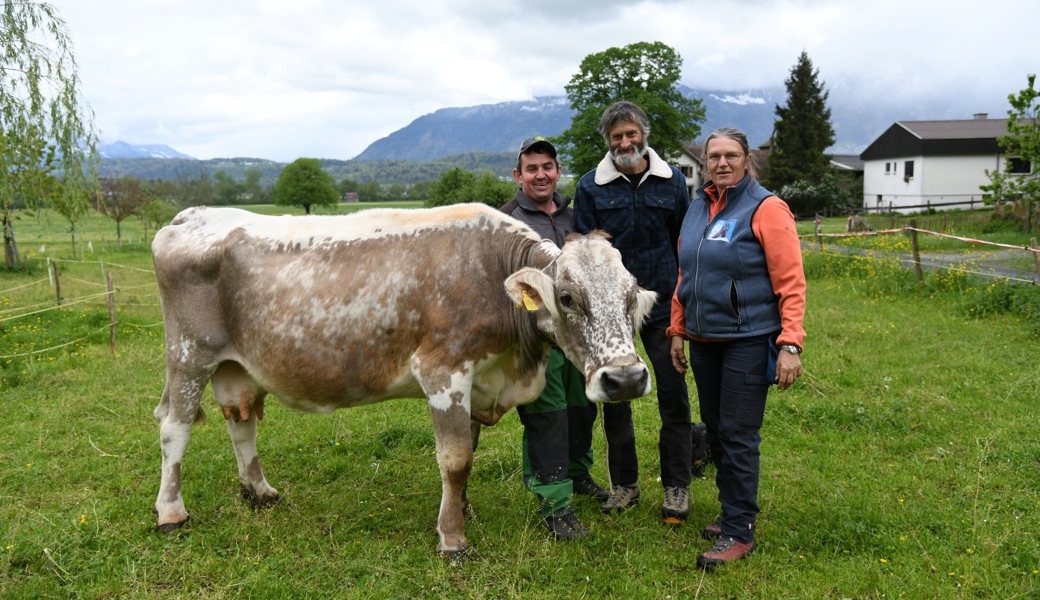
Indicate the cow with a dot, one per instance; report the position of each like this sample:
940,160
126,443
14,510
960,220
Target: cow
328,312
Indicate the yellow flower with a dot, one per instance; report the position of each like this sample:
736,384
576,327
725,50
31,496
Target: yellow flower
884,560
82,519
970,551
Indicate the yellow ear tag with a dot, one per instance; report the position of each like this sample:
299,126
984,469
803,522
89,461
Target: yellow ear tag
528,303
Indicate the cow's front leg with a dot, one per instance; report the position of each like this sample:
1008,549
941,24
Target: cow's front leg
449,398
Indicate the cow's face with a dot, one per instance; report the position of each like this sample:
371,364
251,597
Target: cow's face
591,307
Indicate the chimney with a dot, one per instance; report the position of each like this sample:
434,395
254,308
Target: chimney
981,116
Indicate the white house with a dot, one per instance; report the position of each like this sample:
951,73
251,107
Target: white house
919,164
689,163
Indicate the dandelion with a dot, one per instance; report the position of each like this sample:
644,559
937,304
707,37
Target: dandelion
901,501
884,560
970,551
82,519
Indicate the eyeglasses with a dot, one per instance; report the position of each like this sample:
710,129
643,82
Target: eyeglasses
730,158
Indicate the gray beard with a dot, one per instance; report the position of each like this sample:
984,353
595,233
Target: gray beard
629,160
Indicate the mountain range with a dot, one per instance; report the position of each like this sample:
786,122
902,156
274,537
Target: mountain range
125,150
501,127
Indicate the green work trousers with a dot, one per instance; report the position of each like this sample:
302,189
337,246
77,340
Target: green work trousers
557,441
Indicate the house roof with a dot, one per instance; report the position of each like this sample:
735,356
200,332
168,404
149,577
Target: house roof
937,138
848,162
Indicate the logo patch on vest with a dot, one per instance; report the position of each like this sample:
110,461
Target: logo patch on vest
722,231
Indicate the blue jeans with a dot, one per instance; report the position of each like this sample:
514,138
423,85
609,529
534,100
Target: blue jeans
732,388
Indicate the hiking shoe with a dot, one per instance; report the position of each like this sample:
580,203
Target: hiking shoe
724,551
564,524
621,498
676,505
587,486
714,530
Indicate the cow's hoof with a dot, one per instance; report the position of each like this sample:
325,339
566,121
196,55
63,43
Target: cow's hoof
171,527
456,557
259,500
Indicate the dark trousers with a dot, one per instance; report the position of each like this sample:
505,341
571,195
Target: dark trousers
732,387
675,443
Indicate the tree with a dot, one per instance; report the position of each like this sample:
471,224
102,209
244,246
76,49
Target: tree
458,185
44,121
1021,175
304,183
226,189
120,199
450,187
369,192
194,191
646,73
251,185
157,211
801,133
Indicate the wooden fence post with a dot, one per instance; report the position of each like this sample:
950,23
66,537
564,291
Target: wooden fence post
57,282
1029,217
1036,255
917,255
111,317
819,240
944,229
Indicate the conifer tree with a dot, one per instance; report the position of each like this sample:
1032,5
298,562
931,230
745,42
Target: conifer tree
802,132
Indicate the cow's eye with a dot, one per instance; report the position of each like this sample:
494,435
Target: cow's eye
566,301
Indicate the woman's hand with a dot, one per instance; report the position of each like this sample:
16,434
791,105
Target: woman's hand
788,368
678,354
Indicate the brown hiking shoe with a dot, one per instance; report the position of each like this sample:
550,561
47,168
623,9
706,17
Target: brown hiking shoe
714,530
676,505
724,551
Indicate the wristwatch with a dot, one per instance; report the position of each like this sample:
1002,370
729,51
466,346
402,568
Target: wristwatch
790,348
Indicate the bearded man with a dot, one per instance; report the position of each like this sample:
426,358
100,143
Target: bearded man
641,201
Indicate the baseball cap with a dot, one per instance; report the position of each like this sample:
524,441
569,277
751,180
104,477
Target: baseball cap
542,143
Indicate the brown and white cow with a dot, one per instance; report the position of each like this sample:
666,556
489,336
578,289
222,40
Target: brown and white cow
333,312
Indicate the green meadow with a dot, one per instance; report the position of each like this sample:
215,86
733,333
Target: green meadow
903,464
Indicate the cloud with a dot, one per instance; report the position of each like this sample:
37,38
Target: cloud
321,78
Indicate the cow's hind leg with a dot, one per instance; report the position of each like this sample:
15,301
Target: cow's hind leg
177,411
242,402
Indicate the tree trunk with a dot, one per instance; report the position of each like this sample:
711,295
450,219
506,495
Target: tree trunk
307,208
119,235
11,258
72,230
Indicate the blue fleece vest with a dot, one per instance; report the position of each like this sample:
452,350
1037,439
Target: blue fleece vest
725,289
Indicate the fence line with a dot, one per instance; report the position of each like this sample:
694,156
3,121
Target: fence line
22,286
935,265
58,346
73,301
901,229
101,262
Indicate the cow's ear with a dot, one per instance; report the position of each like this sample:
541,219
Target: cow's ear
645,300
537,287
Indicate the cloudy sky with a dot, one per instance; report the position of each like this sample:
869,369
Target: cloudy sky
325,78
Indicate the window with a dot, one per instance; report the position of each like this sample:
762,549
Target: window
887,168
879,199
908,169
1019,166
687,171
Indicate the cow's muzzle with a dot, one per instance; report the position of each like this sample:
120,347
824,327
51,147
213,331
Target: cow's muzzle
617,384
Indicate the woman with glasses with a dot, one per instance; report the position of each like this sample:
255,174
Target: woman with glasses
740,303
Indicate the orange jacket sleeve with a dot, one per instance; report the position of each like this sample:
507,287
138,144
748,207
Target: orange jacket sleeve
678,321
774,227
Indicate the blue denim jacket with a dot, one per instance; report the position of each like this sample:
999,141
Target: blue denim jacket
643,223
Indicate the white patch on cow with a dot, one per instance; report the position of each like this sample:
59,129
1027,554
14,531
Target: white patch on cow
461,381
184,350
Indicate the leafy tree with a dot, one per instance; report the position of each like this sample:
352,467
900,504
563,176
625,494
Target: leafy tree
120,199
420,190
348,186
802,132
1022,143
450,187
226,189
157,211
304,183
44,121
458,185
369,192
646,73
252,187
194,191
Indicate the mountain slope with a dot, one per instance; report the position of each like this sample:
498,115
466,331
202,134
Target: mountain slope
125,150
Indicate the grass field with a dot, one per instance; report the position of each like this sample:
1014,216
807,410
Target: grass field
904,464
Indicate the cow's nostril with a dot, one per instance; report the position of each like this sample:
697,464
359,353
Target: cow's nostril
643,379
610,386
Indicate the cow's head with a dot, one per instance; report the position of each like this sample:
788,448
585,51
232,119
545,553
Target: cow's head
590,305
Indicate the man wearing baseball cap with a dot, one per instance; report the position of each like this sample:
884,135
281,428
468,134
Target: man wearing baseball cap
557,440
